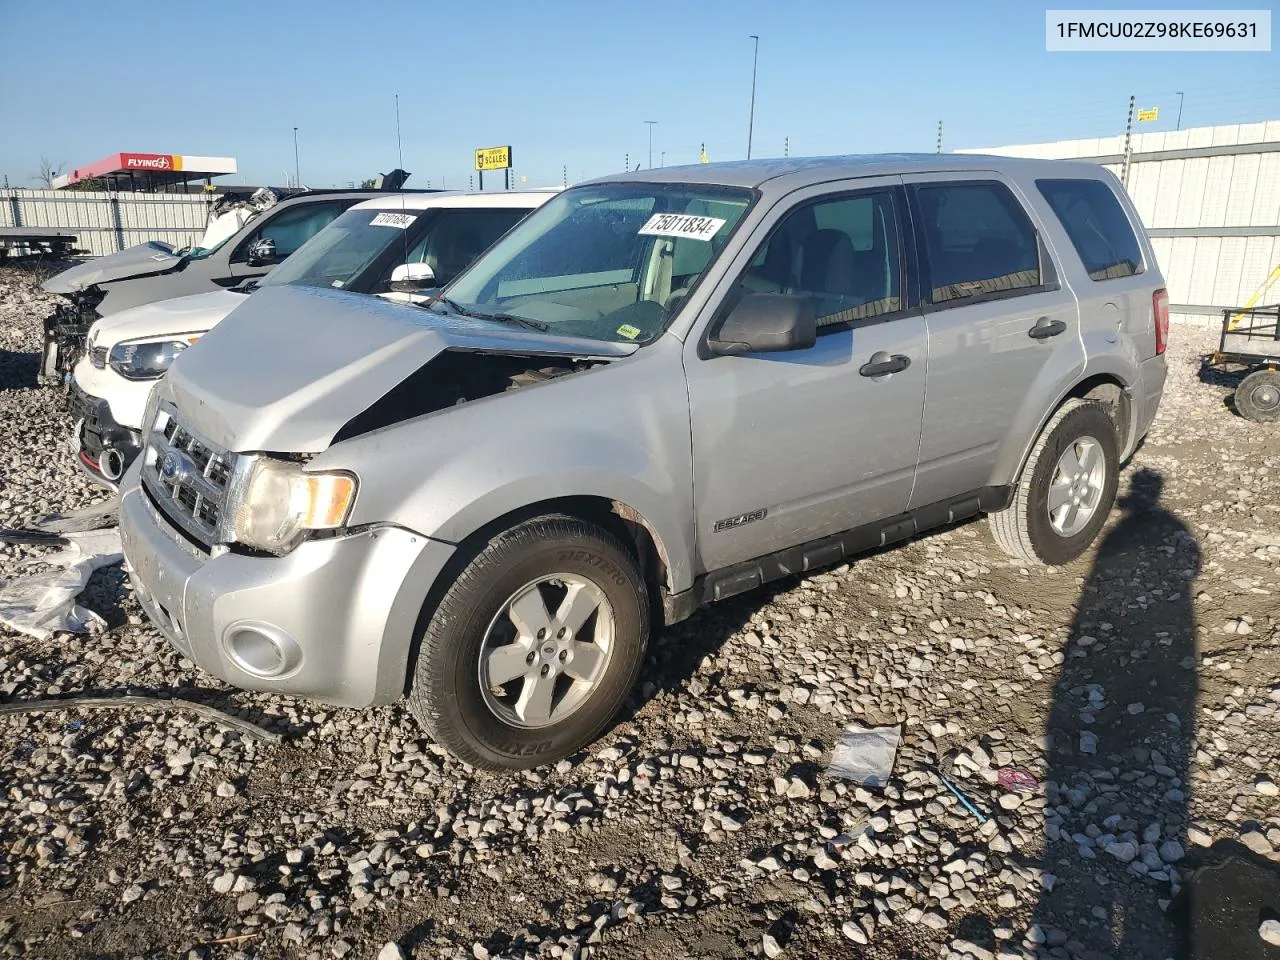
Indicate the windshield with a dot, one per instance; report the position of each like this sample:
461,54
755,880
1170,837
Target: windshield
610,261
343,249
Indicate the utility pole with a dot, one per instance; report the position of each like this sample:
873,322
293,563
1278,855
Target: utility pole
786,146
1180,96
1128,140
297,178
751,117
652,124
939,136
626,161
564,175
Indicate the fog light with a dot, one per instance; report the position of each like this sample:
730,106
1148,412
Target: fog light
262,649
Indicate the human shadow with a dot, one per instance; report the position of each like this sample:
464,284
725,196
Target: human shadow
1120,735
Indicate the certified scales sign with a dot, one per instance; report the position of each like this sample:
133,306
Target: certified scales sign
493,158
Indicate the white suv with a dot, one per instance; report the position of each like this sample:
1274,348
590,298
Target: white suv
401,247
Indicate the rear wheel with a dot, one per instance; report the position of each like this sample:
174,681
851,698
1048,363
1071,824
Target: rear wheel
1066,490
1258,396
532,650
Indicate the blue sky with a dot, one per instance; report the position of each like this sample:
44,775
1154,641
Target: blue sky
569,83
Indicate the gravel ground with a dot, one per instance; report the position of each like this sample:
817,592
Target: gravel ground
1140,686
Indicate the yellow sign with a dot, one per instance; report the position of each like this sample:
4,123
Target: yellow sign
493,158
1146,115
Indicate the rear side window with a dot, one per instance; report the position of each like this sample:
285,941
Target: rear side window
979,241
1097,226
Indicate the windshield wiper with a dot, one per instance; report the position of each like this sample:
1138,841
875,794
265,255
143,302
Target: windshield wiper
510,318
496,317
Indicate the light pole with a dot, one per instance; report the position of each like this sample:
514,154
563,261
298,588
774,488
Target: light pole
751,117
1180,95
297,180
652,124
662,159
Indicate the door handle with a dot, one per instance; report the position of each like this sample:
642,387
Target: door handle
882,364
1046,328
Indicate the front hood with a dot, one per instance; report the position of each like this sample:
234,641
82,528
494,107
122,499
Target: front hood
289,368
141,260
162,318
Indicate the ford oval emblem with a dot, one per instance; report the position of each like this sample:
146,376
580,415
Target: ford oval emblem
171,466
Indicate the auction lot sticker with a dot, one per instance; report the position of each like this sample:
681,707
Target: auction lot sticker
400,221
681,225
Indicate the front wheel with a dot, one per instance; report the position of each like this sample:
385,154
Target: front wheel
1066,490
1258,396
533,648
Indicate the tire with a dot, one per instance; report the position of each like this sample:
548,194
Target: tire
1025,529
481,722
1258,396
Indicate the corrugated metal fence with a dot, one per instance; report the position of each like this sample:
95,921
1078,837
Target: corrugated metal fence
106,222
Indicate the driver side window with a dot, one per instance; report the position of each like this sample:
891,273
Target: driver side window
291,228
843,253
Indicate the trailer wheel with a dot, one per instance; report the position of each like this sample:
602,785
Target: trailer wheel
1258,396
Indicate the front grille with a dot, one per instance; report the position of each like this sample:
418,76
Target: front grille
188,476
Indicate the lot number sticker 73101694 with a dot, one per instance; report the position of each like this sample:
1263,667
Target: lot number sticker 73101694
399,220
681,225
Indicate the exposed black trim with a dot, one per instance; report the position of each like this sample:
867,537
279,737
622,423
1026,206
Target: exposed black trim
824,552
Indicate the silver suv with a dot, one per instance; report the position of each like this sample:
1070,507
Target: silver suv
660,390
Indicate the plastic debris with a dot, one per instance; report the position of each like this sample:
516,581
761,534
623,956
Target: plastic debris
46,704
93,517
1016,780
962,798
45,603
865,755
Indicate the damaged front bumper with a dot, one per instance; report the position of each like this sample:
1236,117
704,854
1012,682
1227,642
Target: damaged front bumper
332,621
66,331
104,448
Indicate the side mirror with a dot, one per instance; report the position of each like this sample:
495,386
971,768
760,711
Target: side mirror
409,277
766,323
262,252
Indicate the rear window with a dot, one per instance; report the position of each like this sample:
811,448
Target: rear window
979,241
1097,226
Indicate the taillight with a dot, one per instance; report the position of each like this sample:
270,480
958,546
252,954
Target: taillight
1160,311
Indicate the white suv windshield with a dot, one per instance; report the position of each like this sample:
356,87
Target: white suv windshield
610,261
339,252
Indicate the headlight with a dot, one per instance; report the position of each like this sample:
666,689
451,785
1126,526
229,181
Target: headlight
146,361
281,503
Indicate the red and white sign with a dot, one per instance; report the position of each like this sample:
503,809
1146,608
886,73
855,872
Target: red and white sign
150,163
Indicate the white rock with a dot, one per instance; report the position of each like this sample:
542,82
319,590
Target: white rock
1270,932
1123,850
1266,786
771,946
391,951
855,933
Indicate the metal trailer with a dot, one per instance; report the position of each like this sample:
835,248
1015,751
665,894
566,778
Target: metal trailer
21,243
1251,341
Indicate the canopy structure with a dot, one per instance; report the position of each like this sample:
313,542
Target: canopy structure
148,171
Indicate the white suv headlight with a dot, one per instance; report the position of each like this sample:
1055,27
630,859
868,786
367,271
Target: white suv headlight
281,503
147,360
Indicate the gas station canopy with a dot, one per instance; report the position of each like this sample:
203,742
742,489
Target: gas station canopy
148,171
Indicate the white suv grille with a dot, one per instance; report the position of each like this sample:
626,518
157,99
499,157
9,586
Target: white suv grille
188,477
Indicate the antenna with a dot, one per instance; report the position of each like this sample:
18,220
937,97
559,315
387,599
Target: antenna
399,148
404,233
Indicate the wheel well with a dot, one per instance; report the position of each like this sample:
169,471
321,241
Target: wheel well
618,518
1113,395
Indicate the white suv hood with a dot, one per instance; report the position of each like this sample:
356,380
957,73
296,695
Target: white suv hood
153,321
